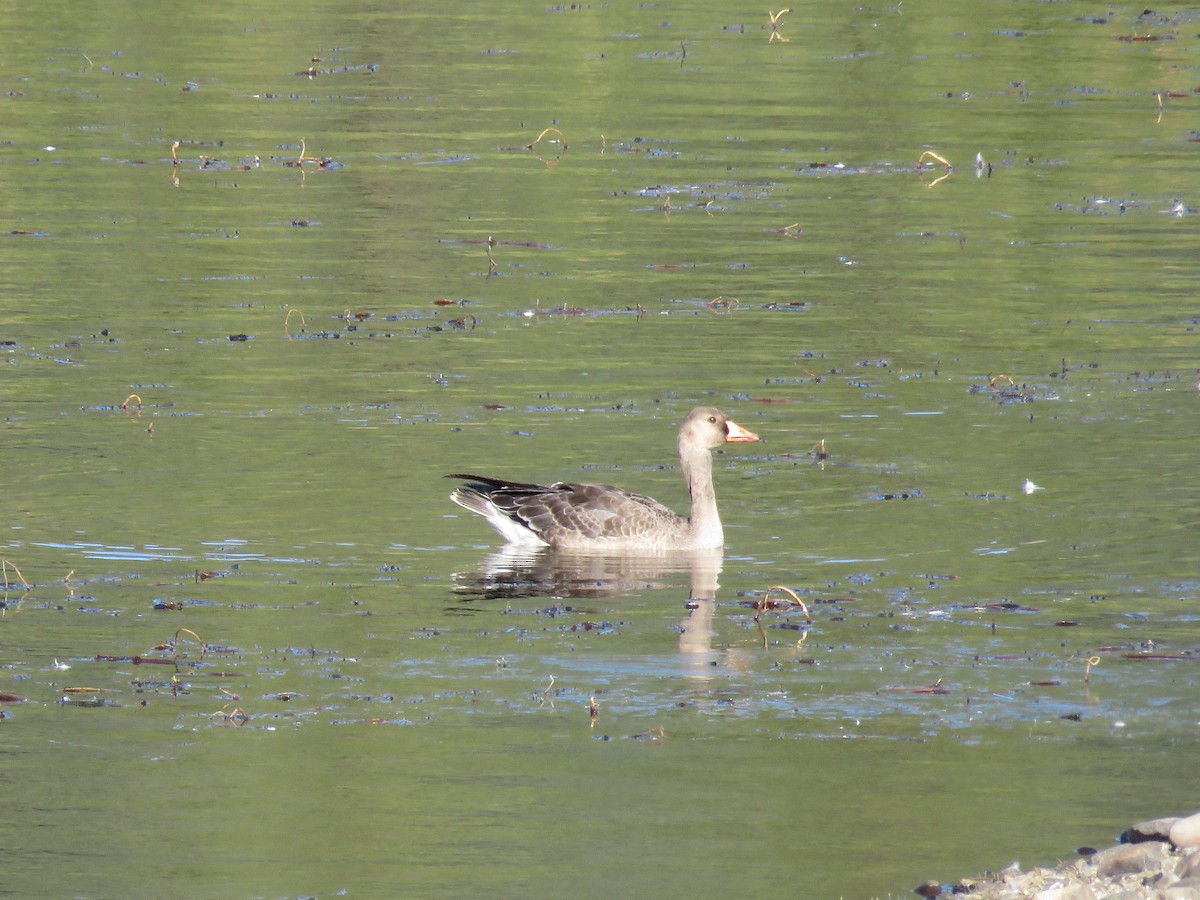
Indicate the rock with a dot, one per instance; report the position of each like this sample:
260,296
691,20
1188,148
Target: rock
1077,891
930,888
1187,889
1186,832
1130,859
1143,869
1153,830
1188,865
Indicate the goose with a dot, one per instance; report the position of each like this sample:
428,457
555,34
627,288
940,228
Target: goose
570,516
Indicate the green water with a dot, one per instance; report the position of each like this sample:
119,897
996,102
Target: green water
382,707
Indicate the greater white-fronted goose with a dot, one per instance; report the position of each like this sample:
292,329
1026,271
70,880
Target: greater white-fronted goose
598,517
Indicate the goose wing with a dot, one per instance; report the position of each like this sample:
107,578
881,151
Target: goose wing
565,511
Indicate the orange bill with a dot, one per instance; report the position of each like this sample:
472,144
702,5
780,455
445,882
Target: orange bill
735,433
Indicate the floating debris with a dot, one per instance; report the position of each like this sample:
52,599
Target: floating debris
935,688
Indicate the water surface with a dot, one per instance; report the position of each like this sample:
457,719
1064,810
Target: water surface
233,381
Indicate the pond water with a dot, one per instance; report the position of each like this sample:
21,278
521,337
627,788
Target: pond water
249,648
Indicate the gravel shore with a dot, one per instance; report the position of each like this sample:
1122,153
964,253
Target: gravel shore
1155,859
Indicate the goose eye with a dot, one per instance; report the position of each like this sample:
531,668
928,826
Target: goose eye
712,419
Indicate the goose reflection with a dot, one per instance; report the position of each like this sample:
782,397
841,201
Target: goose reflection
517,572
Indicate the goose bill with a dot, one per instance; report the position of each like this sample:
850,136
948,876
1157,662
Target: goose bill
735,433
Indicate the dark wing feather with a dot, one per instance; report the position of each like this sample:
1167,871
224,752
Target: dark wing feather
484,484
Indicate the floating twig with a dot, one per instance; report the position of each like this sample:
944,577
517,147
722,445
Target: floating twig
323,162
125,402
199,640
562,141
84,696
929,154
237,715
288,318
544,696
463,322
935,157
303,157
766,601
657,733
1087,669
719,303
776,25
6,564
935,688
